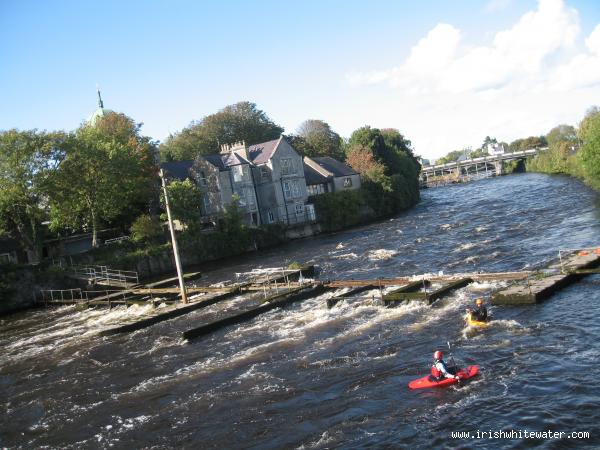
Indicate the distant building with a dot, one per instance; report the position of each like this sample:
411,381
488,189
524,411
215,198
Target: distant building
325,174
495,149
267,178
101,111
279,180
220,178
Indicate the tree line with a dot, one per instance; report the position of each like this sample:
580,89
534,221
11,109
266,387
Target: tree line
573,151
483,150
105,174
569,150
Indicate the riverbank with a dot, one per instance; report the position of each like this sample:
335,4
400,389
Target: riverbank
201,250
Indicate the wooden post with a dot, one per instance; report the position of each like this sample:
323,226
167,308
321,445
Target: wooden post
173,240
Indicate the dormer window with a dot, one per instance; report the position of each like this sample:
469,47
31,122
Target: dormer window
287,166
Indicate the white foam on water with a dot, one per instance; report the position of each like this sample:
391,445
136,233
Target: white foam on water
467,246
432,315
364,317
68,330
345,256
485,285
381,254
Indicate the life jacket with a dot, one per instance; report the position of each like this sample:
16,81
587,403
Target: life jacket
435,372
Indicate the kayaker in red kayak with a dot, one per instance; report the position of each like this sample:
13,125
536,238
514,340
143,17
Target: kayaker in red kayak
439,369
479,314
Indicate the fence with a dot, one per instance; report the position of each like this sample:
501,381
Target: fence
79,296
117,239
106,275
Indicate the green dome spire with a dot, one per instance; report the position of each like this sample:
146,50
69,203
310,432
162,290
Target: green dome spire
101,111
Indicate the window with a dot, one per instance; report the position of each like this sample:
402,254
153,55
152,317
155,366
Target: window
316,189
206,204
287,189
202,178
286,166
250,197
237,173
299,209
270,216
264,172
347,182
245,174
296,189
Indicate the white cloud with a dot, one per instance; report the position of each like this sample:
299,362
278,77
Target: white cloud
541,55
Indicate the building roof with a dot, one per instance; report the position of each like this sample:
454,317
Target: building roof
215,160
260,153
233,159
224,160
313,177
334,167
177,169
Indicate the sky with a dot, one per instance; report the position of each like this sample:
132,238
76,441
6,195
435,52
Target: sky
445,74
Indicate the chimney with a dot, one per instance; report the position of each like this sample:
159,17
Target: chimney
240,149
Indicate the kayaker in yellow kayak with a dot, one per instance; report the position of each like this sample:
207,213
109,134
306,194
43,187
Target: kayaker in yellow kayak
479,314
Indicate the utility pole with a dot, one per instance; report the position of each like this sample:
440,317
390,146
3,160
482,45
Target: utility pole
173,240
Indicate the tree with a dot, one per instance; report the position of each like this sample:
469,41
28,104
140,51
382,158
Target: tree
361,159
145,229
233,224
589,154
480,152
316,138
561,133
527,143
452,156
27,158
108,169
487,142
242,121
389,168
185,199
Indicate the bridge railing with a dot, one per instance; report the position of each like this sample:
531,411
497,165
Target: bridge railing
482,159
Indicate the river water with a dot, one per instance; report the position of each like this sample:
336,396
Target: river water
311,377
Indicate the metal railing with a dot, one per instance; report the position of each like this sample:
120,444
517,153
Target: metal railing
106,275
79,296
117,239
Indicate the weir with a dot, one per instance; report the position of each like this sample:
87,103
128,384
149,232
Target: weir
557,276
283,287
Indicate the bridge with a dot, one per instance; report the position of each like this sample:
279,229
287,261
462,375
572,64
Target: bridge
471,169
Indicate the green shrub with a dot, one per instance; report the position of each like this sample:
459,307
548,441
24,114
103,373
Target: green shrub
145,229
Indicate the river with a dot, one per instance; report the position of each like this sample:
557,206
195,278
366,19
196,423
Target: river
311,377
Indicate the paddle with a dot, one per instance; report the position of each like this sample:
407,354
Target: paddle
459,380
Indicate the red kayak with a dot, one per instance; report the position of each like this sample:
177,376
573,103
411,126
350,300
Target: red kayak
429,382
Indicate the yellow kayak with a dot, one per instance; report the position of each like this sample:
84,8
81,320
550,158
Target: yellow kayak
475,323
